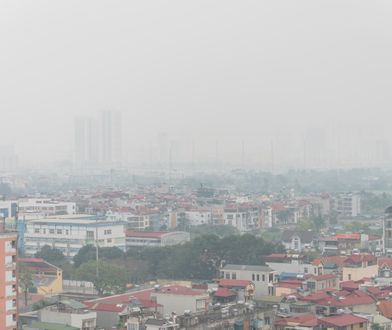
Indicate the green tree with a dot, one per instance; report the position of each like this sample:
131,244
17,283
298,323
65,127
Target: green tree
88,252
112,279
51,255
25,281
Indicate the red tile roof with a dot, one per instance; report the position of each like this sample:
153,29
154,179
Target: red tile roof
180,290
302,320
356,259
354,236
385,308
144,297
225,293
102,307
349,285
342,320
384,261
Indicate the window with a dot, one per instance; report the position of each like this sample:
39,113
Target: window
253,277
59,231
51,231
306,270
263,278
107,232
271,278
349,277
36,230
227,276
234,276
258,277
109,240
361,325
90,234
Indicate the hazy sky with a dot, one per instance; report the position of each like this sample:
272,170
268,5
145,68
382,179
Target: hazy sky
262,72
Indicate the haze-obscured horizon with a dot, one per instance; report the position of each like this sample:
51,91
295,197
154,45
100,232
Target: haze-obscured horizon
299,83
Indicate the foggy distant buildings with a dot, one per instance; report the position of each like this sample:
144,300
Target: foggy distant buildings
98,141
8,158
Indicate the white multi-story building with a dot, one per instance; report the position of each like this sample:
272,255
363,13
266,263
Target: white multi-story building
45,207
132,220
70,235
348,204
155,238
198,217
263,277
244,218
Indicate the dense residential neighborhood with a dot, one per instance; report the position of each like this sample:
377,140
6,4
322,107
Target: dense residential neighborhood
176,257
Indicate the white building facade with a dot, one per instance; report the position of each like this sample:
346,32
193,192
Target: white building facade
70,235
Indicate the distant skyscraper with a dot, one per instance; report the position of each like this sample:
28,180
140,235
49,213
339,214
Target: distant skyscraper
111,138
8,158
86,142
98,141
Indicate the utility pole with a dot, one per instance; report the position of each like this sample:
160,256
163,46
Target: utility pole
96,249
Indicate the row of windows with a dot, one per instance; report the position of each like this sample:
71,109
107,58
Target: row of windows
52,231
255,277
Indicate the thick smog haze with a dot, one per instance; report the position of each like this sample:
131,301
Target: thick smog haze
301,83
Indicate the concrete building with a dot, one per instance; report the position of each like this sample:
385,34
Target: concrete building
296,240
133,221
8,281
69,312
44,207
111,137
243,217
70,234
263,277
86,143
348,204
155,238
358,267
199,217
178,299
316,283
387,231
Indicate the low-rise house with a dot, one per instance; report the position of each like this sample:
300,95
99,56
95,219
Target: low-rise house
179,299
301,322
68,312
263,277
357,267
49,326
46,278
385,308
288,287
344,322
296,240
135,323
382,322
329,302
289,263
329,265
224,296
320,282
245,289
